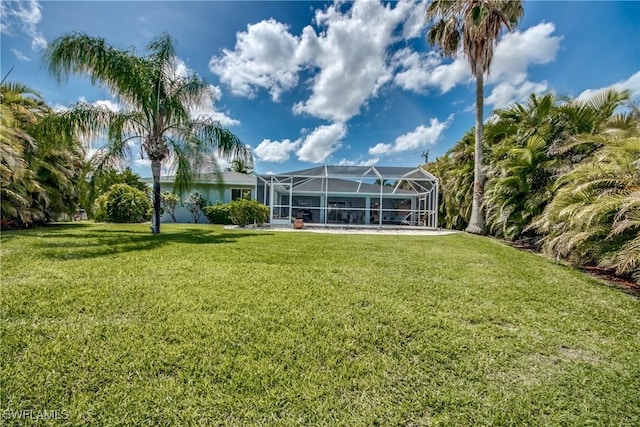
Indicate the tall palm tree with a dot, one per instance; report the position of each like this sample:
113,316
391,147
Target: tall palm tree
476,26
455,172
156,108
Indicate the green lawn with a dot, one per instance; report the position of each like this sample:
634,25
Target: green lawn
110,325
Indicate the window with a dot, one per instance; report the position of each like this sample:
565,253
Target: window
239,193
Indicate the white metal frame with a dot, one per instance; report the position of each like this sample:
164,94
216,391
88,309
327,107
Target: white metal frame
412,198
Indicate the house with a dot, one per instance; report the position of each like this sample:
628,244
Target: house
330,194
235,185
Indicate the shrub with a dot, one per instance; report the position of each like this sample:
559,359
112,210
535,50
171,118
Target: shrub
124,204
218,213
244,212
170,202
195,203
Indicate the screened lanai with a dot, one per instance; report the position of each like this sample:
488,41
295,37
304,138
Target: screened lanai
352,195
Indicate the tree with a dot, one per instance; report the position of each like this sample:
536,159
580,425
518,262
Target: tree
476,26
521,170
40,173
195,203
113,176
241,165
170,202
534,143
17,178
455,172
383,183
519,193
156,104
595,216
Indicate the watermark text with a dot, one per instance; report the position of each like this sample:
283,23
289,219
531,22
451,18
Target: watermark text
35,414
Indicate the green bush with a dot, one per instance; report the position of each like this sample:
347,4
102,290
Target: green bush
244,212
218,213
124,204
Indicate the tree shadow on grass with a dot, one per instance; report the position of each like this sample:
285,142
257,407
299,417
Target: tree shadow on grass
64,244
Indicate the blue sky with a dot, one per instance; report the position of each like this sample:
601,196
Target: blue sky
307,83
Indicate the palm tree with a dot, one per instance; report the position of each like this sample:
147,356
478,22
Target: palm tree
39,174
520,169
520,191
476,25
383,183
14,169
241,165
595,216
455,172
591,117
156,109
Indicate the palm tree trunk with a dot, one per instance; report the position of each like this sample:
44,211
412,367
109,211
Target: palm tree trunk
155,220
476,222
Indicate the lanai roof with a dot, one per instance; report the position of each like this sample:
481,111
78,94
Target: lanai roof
374,172
336,185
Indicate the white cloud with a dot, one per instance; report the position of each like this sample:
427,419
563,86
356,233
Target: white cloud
313,147
181,69
517,51
367,162
275,151
348,56
23,14
102,103
207,109
322,142
264,57
427,70
423,136
59,108
352,55
106,103
21,56
632,84
504,94
142,162
415,24
514,54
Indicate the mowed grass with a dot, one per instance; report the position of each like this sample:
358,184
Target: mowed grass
110,325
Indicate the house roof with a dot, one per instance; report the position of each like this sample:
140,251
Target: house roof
228,178
343,179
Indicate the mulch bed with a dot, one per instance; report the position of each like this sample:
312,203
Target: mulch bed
602,274
608,276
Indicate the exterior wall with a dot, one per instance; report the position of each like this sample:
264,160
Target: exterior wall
212,195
